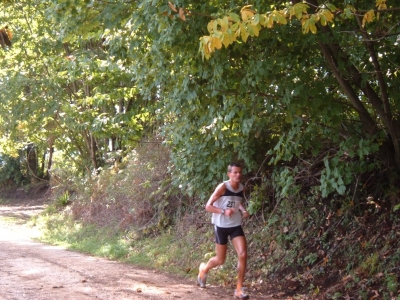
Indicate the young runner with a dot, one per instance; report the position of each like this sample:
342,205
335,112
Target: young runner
227,210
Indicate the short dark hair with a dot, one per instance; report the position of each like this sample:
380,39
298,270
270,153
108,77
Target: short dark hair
233,165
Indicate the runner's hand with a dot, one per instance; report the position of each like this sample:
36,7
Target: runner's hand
229,212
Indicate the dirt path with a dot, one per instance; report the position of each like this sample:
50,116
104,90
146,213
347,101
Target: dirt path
35,271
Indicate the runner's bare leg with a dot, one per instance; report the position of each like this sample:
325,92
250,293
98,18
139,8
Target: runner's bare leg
240,245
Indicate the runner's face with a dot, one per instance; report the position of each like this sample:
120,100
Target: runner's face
235,174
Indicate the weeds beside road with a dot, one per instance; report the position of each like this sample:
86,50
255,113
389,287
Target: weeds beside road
32,270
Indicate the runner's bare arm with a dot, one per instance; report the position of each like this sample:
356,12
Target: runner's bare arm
245,213
219,191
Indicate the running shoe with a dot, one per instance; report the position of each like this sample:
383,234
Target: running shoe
241,294
201,281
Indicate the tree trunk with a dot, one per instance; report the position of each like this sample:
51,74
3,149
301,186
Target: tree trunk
32,163
50,160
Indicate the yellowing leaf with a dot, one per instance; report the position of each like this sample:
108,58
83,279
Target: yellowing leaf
381,4
224,23
325,261
270,22
204,48
210,26
282,20
308,24
234,17
278,17
172,7
246,7
228,39
256,20
216,43
325,17
328,15
263,20
182,14
235,27
238,31
215,26
9,33
246,14
382,7
243,33
323,20
313,28
368,17
253,30
297,10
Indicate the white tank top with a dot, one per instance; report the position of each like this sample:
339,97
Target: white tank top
230,199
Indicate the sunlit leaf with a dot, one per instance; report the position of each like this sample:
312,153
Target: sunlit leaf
328,16
381,4
243,33
253,30
298,9
210,26
235,27
228,39
9,33
270,22
246,14
234,17
263,19
368,17
278,17
224,23
256,20
323,20
216,43
246,7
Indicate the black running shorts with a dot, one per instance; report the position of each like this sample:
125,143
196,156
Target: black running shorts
222,234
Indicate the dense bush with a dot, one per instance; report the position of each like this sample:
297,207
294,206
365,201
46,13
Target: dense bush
11,171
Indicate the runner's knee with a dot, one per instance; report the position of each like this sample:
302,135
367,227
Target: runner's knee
242,255
220,260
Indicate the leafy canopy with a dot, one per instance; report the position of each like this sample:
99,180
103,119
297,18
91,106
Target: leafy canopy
226,30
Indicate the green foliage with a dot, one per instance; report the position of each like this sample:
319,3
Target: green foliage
60,95
59,229
164,251
370,264
392,283
11,170
93,79
311,258
63,200
257,199
284,181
